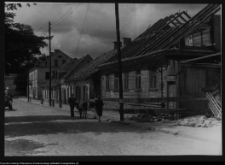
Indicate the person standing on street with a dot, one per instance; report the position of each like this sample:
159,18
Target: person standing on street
72,102
98,105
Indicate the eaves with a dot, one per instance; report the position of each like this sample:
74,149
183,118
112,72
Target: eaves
136,59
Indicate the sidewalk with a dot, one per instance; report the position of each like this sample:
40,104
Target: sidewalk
211,134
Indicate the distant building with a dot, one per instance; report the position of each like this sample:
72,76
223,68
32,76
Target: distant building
39,74
86,81
58,83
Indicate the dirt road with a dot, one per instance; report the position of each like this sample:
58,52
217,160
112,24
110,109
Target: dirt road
33,130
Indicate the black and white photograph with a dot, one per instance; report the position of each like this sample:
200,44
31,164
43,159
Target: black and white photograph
112,79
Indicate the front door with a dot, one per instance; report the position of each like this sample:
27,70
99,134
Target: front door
171,92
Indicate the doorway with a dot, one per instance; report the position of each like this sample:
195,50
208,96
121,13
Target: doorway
171,92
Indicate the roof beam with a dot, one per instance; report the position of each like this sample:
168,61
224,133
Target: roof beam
199,58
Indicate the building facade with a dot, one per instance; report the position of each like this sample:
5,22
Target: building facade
39,75
60,88
86,82
152,63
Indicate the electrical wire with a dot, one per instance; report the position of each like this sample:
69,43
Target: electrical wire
57,19
66,15
82,30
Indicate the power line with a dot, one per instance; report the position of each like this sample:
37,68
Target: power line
65,14
82,30
41,27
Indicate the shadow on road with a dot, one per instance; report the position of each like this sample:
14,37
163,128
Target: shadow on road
60,124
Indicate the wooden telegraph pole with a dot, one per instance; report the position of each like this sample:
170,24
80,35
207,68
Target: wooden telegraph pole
50,64
119,63
28,86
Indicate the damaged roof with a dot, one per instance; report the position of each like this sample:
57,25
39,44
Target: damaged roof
166,33
92,67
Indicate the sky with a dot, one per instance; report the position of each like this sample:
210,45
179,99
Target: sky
90,28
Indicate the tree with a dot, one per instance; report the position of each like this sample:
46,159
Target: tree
22,46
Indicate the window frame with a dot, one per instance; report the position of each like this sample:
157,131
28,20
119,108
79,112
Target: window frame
107,87
126,81
138,80
116,81
63,62
56,62
153,78
47,75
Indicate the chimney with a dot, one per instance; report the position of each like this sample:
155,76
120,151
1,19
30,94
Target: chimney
115,44
126,41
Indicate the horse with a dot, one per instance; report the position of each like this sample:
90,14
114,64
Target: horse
82,108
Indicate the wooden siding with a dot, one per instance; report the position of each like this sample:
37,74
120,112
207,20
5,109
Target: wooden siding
132,92
195,81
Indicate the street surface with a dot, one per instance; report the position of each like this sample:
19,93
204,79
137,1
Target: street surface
36,130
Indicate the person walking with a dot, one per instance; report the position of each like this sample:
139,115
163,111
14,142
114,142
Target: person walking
98,105
92,107
72,102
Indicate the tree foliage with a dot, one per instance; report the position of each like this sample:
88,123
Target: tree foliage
22,46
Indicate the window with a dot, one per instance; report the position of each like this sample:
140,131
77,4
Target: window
199,39
116,81
152,78
59,56
189,41
63,62
46,63
206,38
107,82
56,62
138,79
126,81
47,75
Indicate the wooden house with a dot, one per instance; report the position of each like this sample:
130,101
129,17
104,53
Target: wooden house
87,80
152,66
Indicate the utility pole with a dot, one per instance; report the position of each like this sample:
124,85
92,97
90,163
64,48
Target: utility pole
119,62
50,63
28,86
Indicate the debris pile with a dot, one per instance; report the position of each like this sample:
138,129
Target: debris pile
152,118
198,121
214,103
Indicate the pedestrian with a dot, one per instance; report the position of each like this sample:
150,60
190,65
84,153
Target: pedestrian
92,107
72,102
98,105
